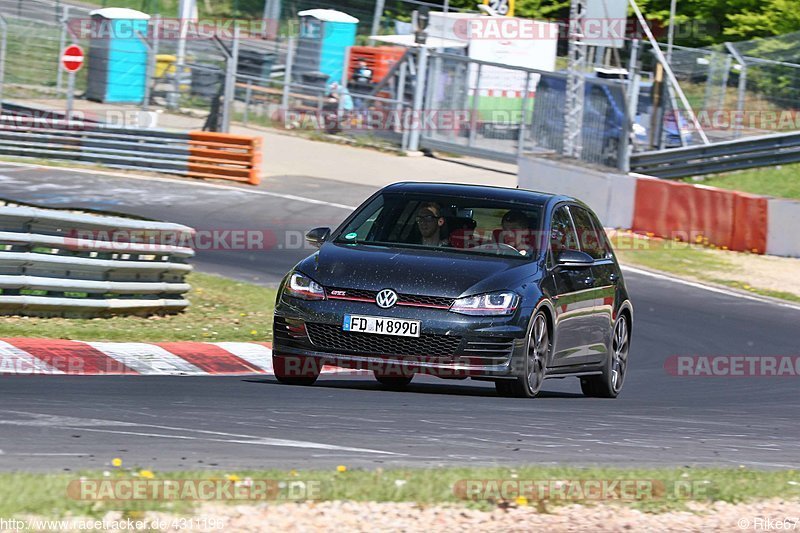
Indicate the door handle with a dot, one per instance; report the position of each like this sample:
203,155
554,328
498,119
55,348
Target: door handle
613,278
588,280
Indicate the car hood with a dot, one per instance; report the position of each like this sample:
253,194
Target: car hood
414,271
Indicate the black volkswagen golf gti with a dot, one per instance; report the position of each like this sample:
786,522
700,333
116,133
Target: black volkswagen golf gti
458,281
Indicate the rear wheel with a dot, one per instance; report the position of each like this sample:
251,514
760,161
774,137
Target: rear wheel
529,382
394,382
609,384
295,369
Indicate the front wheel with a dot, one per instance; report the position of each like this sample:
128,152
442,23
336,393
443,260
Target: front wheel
529,381
295,369
609,384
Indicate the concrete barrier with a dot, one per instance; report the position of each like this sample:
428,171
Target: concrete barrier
609,194
736,220
729,219
783,227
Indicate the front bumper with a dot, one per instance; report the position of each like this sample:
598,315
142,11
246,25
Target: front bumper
450,346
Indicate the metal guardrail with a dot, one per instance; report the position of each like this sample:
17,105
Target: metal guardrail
195,154
725,156
68,264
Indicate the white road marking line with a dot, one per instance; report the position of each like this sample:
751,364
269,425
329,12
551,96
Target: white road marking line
50,454
15,360
257,355
709,288
194,184
146,358
260,441
89,424
3,169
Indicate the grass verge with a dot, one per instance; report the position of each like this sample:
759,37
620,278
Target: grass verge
221,310
780,181
671,488
742,271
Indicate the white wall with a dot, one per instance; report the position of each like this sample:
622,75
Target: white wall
783,222
609,194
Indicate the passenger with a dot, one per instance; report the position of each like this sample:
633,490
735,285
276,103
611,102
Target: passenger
516,231
430,223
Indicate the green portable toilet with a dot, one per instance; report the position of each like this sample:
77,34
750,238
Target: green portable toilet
117,56
325,35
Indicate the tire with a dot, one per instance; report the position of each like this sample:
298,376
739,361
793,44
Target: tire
394,382
295,369
529,381
609,384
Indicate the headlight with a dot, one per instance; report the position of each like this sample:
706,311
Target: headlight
303,287
493,303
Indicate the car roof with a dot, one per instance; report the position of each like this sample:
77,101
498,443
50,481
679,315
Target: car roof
488,192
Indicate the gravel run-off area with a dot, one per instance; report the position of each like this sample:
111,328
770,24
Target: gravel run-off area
371,517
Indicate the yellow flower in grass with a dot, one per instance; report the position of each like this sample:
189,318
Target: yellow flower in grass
341,468
253,332
521,500
234,478
147,474
116,461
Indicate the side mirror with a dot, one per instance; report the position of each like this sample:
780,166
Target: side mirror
317,236
574,259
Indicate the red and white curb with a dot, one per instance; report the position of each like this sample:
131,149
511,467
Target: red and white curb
67,357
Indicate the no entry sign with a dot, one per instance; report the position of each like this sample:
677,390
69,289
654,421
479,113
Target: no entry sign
72,58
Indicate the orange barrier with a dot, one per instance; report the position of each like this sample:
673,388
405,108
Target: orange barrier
726,218
752,224
224,156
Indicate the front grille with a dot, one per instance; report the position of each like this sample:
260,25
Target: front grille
402,299
331,338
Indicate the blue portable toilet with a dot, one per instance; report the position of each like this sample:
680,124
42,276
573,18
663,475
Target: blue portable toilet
325,35
117,56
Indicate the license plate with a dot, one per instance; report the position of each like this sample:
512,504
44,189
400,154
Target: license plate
381,325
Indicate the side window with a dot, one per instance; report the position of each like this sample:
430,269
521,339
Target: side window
604,241
587,236
562,233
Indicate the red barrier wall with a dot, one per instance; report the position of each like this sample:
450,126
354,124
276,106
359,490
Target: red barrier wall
726,218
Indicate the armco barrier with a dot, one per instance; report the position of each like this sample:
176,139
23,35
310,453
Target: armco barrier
60,263
750,152
195,154
739,221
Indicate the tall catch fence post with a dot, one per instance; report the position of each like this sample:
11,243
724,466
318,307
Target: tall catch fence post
62,42
419,92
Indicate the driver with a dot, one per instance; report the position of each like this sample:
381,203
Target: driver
430,222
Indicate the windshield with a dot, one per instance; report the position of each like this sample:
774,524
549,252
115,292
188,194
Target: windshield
465,225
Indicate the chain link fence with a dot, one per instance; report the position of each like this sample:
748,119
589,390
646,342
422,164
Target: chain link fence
739,89
480,107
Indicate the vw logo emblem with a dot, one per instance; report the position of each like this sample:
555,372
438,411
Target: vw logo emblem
386,298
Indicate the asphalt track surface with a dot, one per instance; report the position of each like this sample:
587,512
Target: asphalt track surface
71,422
